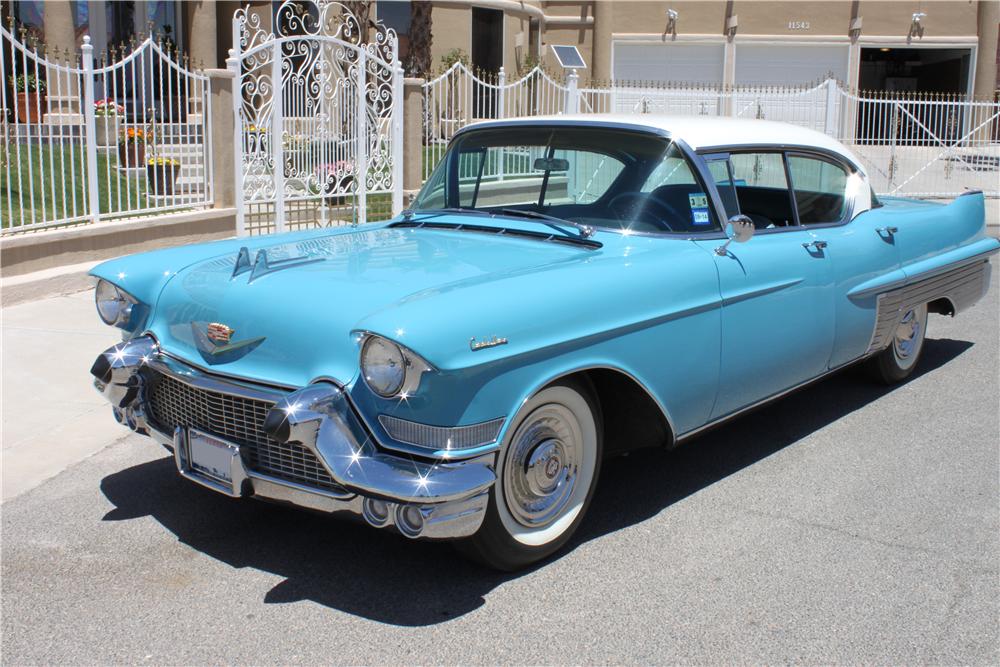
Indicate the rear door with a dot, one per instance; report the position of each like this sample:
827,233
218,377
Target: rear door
859,250
777,288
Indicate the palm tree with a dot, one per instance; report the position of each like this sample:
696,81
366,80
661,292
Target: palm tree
418,58
362,12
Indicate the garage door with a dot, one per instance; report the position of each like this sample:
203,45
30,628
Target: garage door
789,65
690,63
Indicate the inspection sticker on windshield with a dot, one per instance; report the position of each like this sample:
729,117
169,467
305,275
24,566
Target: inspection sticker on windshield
699,208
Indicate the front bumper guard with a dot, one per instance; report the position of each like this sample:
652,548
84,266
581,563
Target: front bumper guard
434,500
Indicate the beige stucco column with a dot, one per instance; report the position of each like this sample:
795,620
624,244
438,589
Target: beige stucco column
603,29
223,175
987,79
60,33
57,21
203,33
413,137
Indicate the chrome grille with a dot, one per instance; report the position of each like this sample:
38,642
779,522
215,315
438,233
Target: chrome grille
173,403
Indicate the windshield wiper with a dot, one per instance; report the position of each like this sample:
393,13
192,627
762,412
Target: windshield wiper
431,212
586,231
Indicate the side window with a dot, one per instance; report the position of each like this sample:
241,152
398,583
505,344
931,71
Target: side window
762,189
759,170
820,189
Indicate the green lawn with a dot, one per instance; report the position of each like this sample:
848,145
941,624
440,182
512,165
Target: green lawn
49,182
33,190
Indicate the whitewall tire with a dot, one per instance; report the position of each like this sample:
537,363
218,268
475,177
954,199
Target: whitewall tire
898,361
547,471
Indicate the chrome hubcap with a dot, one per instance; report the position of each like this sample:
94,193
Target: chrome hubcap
542,467
907,335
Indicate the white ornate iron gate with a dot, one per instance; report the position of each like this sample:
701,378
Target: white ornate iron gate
318,104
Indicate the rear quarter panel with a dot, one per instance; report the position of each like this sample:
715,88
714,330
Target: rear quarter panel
933,235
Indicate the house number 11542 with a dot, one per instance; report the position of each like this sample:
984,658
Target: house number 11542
798,25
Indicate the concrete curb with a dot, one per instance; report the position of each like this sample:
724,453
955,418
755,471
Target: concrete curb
43,250
47,283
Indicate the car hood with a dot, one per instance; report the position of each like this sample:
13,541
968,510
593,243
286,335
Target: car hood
430,290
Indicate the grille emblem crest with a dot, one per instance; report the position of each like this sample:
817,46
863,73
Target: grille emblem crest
220,333
215,338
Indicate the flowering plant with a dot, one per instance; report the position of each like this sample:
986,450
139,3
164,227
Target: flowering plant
253,129
335,178
107,107
332,171
159,161
135,135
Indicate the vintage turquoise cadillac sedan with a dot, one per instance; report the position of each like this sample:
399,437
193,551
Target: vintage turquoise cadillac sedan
561,289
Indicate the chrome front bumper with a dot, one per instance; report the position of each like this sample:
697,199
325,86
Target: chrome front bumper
422,499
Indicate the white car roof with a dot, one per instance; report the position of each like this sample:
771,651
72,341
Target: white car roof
701,132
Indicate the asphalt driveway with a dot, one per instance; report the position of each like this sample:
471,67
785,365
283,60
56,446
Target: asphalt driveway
847,523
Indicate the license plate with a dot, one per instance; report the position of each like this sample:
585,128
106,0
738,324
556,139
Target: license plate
211,456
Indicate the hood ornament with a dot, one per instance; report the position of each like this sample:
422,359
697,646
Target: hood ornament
262,265
215,338
485,343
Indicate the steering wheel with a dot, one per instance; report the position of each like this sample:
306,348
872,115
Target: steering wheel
641,201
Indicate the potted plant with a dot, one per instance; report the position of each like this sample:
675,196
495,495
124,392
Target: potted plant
161,174
132,146
336,180
106,114
31,101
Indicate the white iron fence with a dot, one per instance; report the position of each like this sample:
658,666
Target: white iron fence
318,106
925,146
911,145
126,136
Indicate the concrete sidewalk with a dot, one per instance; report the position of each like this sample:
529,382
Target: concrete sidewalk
51,415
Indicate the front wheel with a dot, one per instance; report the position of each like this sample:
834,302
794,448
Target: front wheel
546,474
898,361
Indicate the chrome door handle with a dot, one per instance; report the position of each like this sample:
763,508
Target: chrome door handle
816,245
887,230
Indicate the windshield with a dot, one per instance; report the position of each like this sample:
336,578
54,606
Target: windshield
600,177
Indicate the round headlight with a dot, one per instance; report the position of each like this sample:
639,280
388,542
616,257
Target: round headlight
383,366
112,304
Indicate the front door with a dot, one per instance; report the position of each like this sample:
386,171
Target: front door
777,316
777,289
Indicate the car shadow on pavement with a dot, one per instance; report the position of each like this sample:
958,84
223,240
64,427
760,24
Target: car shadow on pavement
379,575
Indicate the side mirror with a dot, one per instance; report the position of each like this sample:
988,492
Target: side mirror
740,229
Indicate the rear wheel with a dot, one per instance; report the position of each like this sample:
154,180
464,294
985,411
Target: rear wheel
898,361
546,475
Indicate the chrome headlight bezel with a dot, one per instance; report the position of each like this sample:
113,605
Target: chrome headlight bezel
114,305
413,367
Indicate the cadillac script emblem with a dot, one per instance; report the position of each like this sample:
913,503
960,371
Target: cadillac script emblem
485,343
219,333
